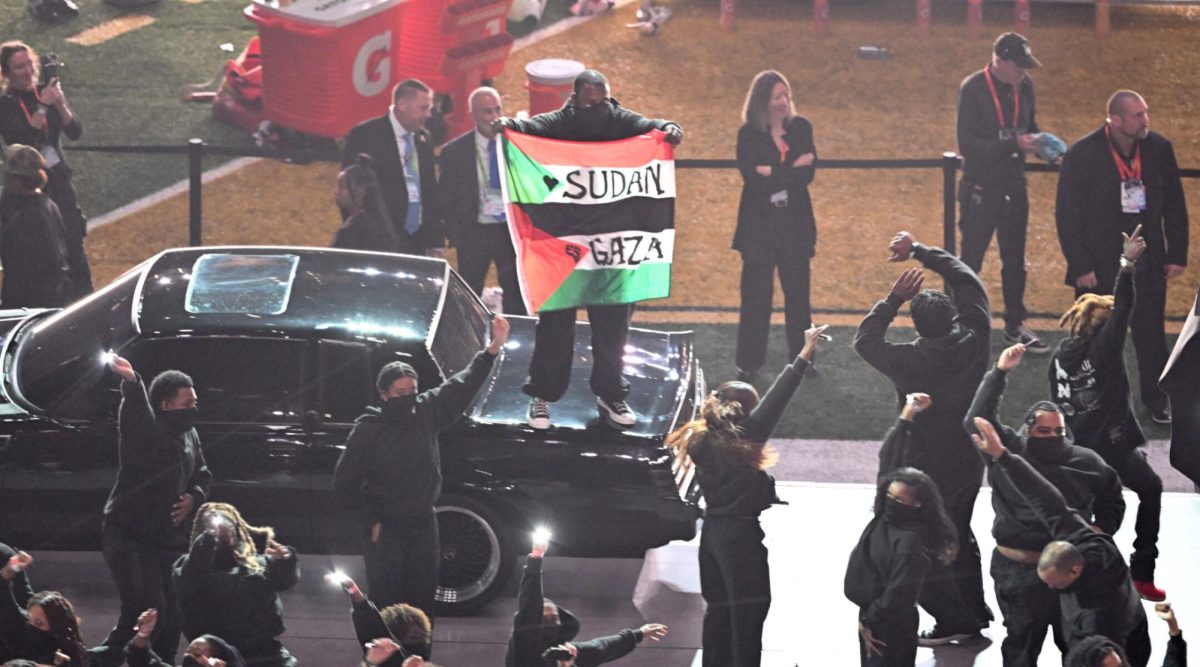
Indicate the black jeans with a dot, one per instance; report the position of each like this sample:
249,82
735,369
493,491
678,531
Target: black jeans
1005,213
403,565
1029,607
900,635
1147,327
481,245
757,292
62,192
1137,476
142,574
953,594
735,581
554,350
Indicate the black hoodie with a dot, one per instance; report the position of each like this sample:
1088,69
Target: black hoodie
1088,484
393,472
948,368
1089,382
885,572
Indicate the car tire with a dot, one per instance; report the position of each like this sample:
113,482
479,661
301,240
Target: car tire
475,557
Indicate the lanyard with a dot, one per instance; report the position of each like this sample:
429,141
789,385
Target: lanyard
29,116
1127,173
987,74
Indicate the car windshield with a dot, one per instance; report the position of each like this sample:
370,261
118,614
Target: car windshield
58,361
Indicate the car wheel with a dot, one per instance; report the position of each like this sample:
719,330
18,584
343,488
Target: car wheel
475,559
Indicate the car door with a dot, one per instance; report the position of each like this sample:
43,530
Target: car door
251,402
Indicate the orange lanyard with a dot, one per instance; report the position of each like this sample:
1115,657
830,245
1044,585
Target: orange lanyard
1127,173
29,117
996,99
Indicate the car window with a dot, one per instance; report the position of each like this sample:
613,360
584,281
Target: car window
58,364
462,327
239,380
346,385
256,284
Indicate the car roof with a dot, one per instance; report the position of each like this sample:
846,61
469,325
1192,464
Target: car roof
346,293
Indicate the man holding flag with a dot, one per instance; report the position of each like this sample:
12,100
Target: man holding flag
551,246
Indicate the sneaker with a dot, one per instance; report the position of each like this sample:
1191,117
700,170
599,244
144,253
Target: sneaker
1027,338
616,412
1162,415
1149,591
539,414
940,637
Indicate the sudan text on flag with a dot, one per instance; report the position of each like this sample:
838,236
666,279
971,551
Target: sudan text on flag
592,223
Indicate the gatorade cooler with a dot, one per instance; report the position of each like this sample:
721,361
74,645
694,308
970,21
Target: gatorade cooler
550,83
328,65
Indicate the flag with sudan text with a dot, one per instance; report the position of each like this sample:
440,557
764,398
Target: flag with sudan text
592,223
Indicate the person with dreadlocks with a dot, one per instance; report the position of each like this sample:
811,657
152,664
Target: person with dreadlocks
1089,383
1089,485
728,445
365,224
888,565
46,630
228,588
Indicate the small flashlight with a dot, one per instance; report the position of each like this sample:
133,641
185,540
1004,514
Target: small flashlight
337,578
825,337
541,534
107,357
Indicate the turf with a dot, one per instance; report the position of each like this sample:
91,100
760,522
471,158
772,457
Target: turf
850,400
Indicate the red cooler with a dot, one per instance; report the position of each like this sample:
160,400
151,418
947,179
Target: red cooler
328,65
550,83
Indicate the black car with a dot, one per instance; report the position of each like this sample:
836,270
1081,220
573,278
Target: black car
284,344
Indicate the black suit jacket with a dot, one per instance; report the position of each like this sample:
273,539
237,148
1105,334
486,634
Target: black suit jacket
756,148
458,185
376,138
1088,208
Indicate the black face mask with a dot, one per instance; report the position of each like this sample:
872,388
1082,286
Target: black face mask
1047,450
178,422
594,119
400,409
901,515
40,642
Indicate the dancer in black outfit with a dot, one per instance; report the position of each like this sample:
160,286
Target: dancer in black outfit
1088,380
888,566
728,444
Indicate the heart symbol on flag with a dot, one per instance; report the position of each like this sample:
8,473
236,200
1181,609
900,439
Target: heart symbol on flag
550,181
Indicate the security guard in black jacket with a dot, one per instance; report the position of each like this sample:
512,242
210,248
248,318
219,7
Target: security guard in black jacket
390,475
162,478
1090,487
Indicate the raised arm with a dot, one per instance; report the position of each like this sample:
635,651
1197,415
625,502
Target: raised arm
448,401
1108,344
893,454
991,390
765,416
136,415
527,622
869,340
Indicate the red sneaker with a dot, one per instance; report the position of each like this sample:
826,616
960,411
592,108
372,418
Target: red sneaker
1149,591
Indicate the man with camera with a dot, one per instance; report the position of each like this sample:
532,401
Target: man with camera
162,478
34,112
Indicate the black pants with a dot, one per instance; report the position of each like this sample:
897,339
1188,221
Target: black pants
900,635
953,594
554,350
1139,477
1005,213
481,245
62,192
142,574
735,581
1029,607
1147,328
403,565
758,288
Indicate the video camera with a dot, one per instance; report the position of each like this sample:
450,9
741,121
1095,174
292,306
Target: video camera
49,68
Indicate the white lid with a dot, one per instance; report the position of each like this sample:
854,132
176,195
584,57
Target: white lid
554,71
325,13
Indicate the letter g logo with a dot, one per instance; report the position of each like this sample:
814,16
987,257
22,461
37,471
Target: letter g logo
372,66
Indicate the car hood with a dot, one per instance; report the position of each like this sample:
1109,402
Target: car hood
660,367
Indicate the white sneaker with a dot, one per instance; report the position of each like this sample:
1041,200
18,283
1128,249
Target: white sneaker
617,412
539,414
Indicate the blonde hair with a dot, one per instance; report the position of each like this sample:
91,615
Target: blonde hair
244,550
1087,315
718,424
